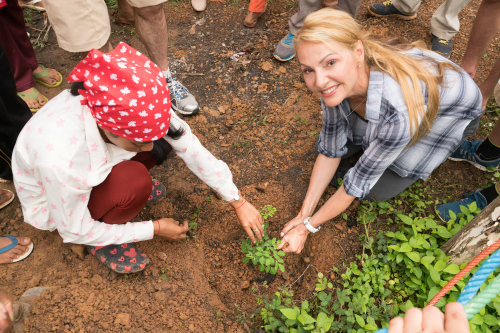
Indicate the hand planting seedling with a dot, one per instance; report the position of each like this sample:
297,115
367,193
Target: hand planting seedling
264,252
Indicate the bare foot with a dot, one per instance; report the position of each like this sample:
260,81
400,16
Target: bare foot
54,77
34,103
5,196
251,19
14,253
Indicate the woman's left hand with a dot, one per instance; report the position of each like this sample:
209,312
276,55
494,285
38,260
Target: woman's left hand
295,238
250,219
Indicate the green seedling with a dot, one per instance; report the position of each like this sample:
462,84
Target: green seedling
300,120
192,225
264,252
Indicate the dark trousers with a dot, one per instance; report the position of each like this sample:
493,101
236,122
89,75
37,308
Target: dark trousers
124,192
17,45
14,114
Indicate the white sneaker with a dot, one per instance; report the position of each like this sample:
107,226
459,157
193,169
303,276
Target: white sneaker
181,99
199,5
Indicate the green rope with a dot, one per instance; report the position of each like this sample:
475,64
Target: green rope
482,298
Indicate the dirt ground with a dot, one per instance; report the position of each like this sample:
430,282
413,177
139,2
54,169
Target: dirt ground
248,119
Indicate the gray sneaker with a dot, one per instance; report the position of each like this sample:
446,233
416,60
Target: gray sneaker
285,49
182,100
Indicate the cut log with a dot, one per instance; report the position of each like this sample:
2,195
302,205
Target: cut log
482,231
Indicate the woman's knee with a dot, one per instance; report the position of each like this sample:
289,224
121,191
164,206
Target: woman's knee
135,176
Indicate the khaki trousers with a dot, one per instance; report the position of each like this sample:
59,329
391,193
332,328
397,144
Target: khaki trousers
83,25
444,23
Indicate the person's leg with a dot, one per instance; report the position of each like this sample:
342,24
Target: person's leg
285,49
125,12
388,186
151,26
14,114
445,25
255,10
349,6
121,197
488,87
486,25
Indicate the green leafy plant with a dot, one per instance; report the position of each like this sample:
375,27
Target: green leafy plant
192,225
264,253
398,270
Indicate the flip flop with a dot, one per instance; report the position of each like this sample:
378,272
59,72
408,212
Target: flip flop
123,259
45,73
7,202
33,95
13,245
31,5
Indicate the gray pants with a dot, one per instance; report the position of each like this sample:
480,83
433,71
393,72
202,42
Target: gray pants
307,7
390,183
444,22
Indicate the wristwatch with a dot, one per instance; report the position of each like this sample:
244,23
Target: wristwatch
310,227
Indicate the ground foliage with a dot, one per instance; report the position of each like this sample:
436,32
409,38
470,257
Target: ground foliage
264,253
396,271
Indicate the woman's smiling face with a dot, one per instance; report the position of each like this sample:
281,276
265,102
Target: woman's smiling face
331,70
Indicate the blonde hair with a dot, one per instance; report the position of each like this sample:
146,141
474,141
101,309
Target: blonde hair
328,24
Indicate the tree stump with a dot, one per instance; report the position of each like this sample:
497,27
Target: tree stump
482,231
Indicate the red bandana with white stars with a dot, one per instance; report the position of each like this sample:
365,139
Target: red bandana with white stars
126,93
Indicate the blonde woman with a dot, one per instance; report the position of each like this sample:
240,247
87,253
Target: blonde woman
407,108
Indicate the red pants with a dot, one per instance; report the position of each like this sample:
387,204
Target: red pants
123,194
17,45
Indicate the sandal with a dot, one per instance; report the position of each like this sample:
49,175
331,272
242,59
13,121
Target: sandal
158,192
254,23
123,259
45,73
13,245
8,201
31,5
33,95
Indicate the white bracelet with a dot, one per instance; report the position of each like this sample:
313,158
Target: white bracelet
310,227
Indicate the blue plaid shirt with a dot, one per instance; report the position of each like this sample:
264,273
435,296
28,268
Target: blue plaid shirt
386,132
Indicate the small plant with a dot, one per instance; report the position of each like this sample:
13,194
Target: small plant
264,253
243,143
300,120
192,225
219,316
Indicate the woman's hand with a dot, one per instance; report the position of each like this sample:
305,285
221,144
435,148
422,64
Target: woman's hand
430,319
295,235
170,229
249,218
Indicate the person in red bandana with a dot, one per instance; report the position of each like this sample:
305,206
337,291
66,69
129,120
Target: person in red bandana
81,163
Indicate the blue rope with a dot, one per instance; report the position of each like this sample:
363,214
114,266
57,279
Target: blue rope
477,280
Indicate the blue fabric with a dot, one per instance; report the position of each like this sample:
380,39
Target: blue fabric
444,210
11,246
386,136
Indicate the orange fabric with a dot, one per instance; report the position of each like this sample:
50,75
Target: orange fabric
257,6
